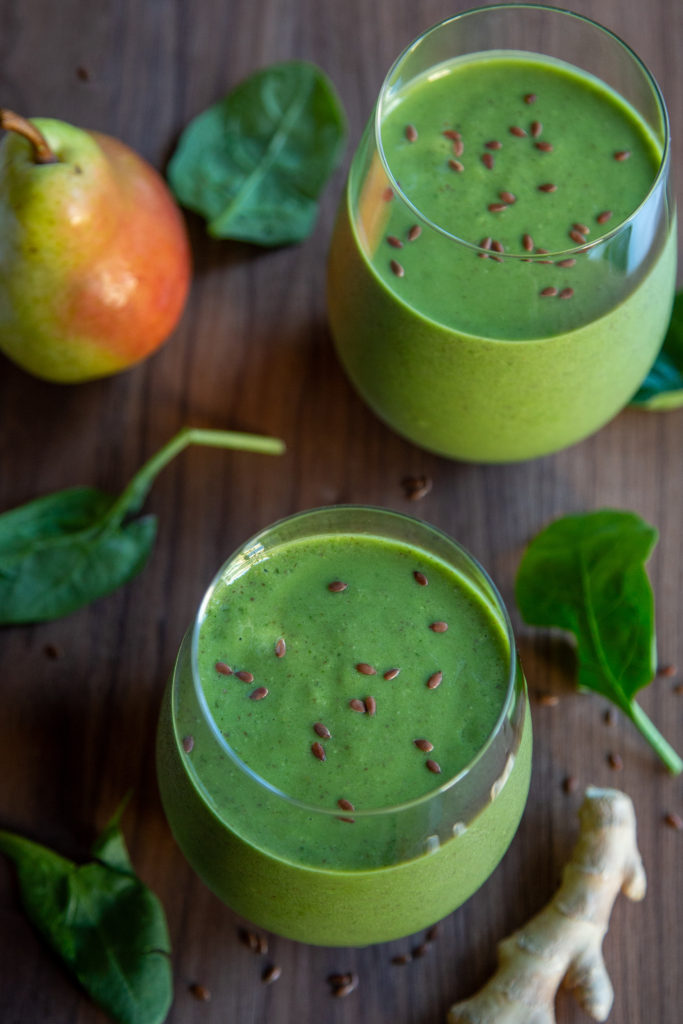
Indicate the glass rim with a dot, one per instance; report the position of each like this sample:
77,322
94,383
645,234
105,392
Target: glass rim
574,250
511,693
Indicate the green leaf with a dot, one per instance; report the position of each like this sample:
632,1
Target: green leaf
254,164
585,573
662,389
105,924
64,550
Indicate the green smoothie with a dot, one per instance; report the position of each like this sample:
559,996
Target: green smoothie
344,680
505,292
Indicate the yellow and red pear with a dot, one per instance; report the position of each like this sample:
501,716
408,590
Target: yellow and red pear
94,255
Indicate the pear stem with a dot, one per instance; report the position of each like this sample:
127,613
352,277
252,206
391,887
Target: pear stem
12,122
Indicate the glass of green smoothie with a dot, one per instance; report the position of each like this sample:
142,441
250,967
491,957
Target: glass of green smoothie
344,746
503,264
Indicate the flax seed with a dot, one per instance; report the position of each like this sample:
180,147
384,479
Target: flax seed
548,700
544,147
318,751
370,705
396,268
547,187
388,194
414,232
667,671
494,144
536,129
420,578
508,197
395,242
497,246
245,677
583,228
520,133
391,673
337,586
416,487
455,165
615,762
610,717
452,134
411,133
548,292
224,669
345,804
438,627
188,744
528,243
424,745
458,145
401,959
322,731
487,161
357,705
603,217
570,784
565,293
497,207
365,669
434,767
566,263
433,933
577,237
622,154
200,992
530,97
280,648
345,990
434,680
421,950
271,974
674,820
259,693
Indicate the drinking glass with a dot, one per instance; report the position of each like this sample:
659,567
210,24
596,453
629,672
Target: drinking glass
464,322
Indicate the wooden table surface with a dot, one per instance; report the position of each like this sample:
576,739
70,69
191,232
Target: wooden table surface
80,696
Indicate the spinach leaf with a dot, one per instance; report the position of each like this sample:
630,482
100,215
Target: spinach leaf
585,573
254,164
104,923
662,389
64,550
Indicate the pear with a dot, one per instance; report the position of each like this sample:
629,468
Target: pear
94,255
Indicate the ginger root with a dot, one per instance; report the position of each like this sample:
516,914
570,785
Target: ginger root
563,942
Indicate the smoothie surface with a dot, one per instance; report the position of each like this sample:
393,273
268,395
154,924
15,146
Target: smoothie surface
311,648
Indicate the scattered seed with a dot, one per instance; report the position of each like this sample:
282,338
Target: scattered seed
678,688
438,627
497,207
396,268
566,263
615,762
674,820
256,943
548,700
340,991
318,751
486,243
416,487
565,293
583,228
370,705
458,145
508,197
516,130
357,705
549,292
667,671
487,161
388,194
456,165
424,745
271,974
434,767
530,97
401,959
339,979
536,129
433,933
395,242
603,217
421,950
544,147
577,237
365,669
547,187
224,669
188,744
541,250
528,243
452,134
345,804
322,731
420,578
280,648
434,680
336,586
609,717
259,693
411,133
200,992
83,74
414,232
349,821
51,651
245,676
497,246
622,154
391,673
570,783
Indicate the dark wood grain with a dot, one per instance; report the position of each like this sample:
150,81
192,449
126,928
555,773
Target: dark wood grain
80,696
